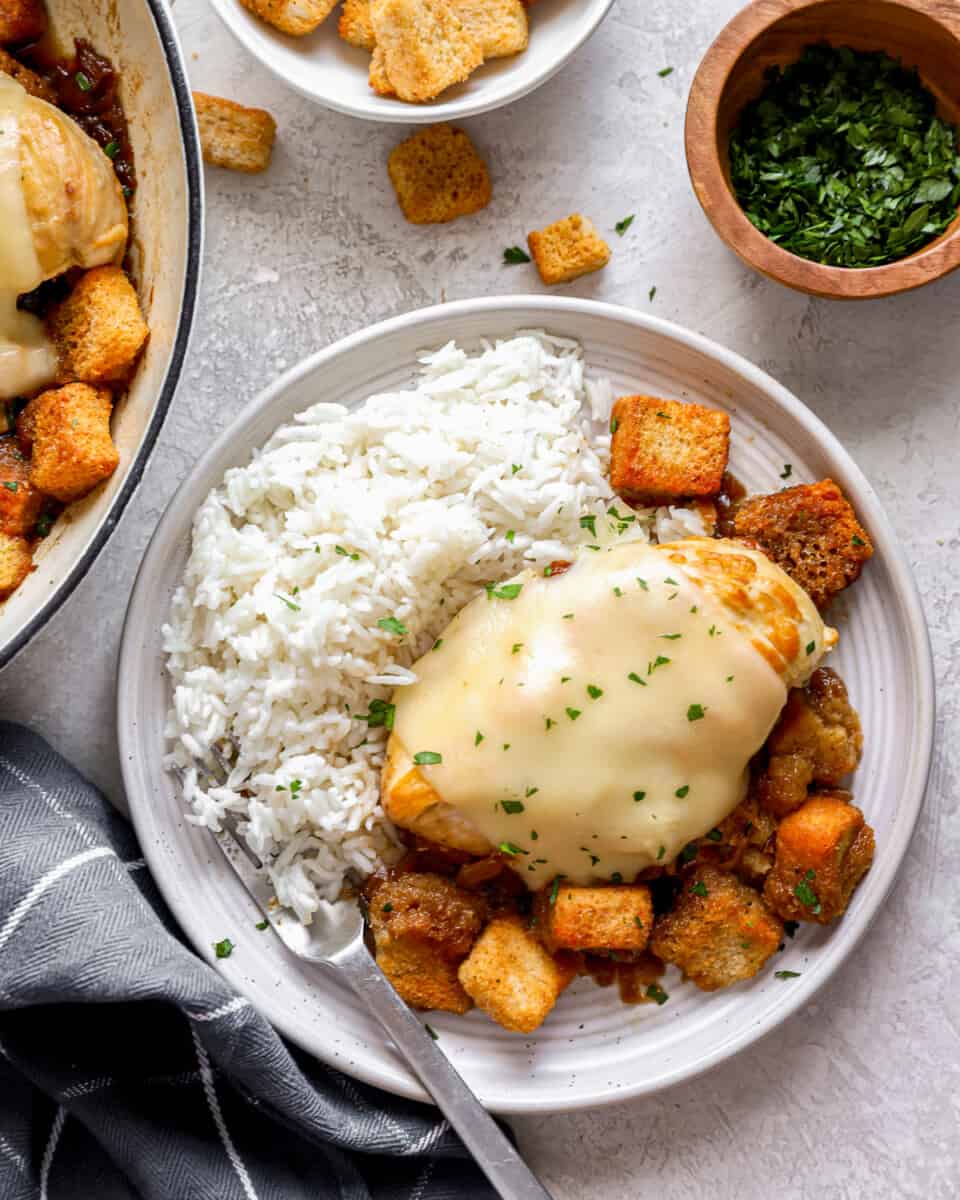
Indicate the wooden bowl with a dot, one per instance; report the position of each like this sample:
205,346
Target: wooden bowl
922,33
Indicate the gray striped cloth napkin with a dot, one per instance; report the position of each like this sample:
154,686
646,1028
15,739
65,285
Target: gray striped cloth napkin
128,1068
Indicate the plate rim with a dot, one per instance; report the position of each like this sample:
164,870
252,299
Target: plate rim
410,114
884,872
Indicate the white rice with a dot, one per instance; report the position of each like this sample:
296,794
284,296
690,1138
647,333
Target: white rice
400,509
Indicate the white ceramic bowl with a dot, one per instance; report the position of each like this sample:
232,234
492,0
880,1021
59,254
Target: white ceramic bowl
324,68
592,1049
139,37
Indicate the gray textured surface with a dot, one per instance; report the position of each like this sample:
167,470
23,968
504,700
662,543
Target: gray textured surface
857,1096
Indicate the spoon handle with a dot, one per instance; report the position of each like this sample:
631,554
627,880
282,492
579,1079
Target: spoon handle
495,1154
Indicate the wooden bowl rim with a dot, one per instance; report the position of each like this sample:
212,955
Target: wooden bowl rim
722,209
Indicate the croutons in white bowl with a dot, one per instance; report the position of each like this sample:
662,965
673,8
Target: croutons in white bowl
326,68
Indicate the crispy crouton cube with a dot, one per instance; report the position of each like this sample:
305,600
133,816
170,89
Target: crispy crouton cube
21,21
294,17
500,26
511,976
438,176
98,330
568,249
232,136
719,932
823,851
812,533
662,451
426,48
379,79
16,563
355,25
72,447
30,81
20,502
817,739
595,918
423,927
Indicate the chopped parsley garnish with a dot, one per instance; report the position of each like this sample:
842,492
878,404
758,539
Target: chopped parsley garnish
261,925
656,992
437,644
806,895
346,553
511,849
713,631
643,584
593,691
427,758
477,738
573,713
517,647
387,908
44,525
589,523
665,71
288,602
856,540
82,81
565,678
683,791
622,226
11,485
555,889
392,625
635,678
659,661
533,837
531,791
589,547
786,974
670,637
652,292
661,852
514,468
696,712
638,796
510,535
671,581
433,1033
843,160
715,835
514,254
663,416
512,806
548,571
509,591
689,852
729,679
112,149
295,786
638,922
617,592
568,616
381,713
616,877
699,888
549,722
506,745
614,426
787,471
223,949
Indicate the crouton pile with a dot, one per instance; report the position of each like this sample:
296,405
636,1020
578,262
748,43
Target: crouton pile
454,930
418,48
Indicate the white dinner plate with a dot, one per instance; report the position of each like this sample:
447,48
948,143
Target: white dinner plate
592,1049
324,68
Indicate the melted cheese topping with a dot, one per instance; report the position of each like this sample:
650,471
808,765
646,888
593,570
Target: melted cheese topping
27,359
601,719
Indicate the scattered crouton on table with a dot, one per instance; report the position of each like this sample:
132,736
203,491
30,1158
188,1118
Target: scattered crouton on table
568,249
32,83
356,26
423,927
512,977
618,918
21,21
98,330
20,502
424,47
72,447
823,851
500,26
662,451
810,531
719,932
817,739
295,17
233,136
438,176
16,563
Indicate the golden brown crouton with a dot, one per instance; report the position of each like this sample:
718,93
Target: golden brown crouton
98,330
816,740
22,21
72,447
812,533
295,17
594,918
425,46
500,26
719,932
662,451
511,976
823,851
32,83
379,79
438,176
423,927
16,563
355,25
568,249
232,136
20,502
